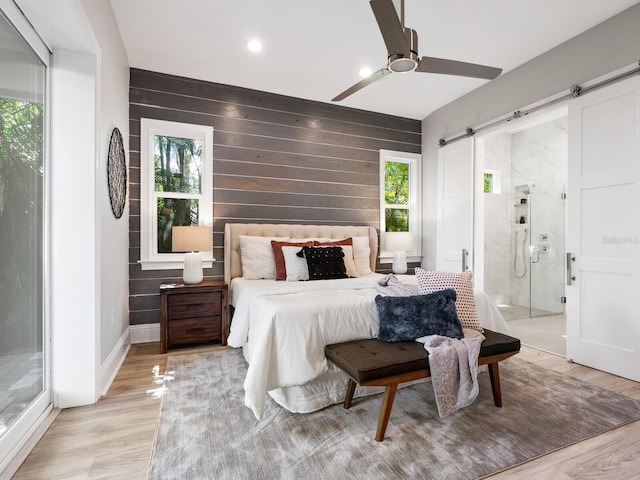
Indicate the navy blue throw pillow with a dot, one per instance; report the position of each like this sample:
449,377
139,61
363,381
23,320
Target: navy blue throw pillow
324,263
407,318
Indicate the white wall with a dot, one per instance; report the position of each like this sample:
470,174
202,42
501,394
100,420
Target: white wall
89,264
112,238
73,226
607,47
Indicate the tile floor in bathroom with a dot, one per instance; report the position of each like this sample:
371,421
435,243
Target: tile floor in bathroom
544,330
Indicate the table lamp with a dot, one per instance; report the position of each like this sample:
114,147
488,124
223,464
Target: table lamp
191,240
399,243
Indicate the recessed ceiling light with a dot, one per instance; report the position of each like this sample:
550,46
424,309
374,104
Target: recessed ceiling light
365,72
254,45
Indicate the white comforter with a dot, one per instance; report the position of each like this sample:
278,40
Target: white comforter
288,324
284,327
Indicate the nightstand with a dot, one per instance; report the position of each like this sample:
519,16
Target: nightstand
193,313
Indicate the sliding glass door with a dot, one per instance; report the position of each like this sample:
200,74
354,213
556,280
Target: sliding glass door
24,365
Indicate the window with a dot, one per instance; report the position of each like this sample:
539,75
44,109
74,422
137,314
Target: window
176,163
400,199
491,181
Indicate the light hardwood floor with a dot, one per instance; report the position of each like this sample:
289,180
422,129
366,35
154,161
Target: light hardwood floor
113,438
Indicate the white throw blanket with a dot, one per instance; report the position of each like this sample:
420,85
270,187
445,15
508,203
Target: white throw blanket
454,369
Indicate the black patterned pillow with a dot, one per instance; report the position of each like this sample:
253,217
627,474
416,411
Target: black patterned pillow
324,262
407,318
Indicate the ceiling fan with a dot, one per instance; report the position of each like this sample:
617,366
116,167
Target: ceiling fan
402,48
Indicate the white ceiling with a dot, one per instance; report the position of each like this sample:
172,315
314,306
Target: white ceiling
313,49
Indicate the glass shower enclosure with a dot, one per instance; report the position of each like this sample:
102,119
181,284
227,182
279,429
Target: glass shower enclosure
537,249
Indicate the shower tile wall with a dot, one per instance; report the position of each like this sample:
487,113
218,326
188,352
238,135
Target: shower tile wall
498,219
536,156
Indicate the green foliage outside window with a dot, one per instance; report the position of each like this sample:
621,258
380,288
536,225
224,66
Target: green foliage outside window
178,164
178,168
396,183
488,182
396,220
21,217
396,196
174,212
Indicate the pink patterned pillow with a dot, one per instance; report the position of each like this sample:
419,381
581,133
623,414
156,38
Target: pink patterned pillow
429,282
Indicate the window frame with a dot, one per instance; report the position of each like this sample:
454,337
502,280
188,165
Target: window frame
496,184
32,415
150,259
414,161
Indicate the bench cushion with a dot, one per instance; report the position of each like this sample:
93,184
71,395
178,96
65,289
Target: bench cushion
372,359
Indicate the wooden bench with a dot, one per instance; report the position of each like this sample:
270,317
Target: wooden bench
373,362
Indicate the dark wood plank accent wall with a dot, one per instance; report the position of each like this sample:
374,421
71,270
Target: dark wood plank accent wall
276,159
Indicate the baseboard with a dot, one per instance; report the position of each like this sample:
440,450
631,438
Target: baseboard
149,332
109,369
31,439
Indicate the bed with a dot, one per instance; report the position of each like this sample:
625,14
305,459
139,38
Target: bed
283,326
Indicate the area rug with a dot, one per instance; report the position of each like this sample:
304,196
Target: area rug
205,432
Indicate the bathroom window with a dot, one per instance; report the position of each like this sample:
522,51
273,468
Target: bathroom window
491,181
400,197
176,181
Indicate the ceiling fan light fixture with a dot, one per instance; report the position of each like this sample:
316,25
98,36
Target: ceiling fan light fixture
402,51
365,72
403,63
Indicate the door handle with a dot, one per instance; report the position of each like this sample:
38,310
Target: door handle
465,260
570,276
533,250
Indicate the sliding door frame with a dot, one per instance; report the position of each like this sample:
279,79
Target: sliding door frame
23,433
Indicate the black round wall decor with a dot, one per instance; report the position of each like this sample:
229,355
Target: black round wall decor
117,173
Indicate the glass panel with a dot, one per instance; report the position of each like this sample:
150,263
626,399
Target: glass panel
396,219
547,222
178,164
174,212
22,365
396,183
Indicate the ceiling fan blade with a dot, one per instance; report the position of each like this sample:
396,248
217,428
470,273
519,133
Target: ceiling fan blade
374,77
453,67
390,26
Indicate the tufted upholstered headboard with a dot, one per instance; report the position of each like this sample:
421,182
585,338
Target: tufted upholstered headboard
233,264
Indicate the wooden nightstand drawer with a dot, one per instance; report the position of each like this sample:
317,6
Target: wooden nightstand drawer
194,305
195,330
193,313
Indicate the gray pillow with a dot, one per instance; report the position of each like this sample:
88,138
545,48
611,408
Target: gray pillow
407,318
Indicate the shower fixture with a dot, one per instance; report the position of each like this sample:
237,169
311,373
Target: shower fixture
520,248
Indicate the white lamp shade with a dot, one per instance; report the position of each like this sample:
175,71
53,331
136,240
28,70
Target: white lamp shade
399,243
192,240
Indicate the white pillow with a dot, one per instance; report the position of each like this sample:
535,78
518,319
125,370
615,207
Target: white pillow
295,266
349,262
257,257
361,253
462,283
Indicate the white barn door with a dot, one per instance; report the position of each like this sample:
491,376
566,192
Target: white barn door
603,267
454,250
